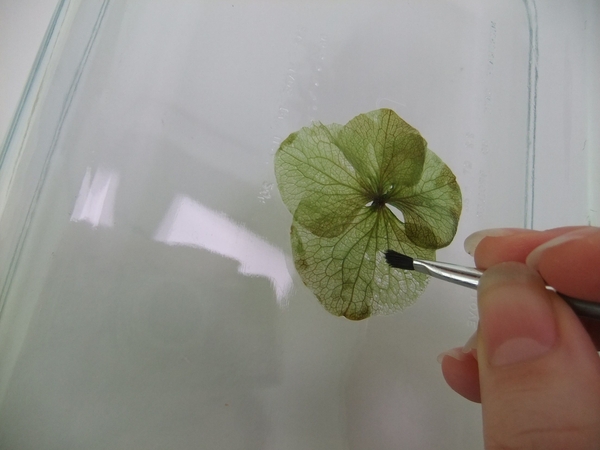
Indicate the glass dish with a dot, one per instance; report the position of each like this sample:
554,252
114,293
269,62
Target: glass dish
148,297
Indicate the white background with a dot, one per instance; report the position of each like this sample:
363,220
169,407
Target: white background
104,315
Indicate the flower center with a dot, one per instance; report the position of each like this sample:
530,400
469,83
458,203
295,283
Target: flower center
379,201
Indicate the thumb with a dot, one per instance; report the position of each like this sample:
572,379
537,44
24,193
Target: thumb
538,369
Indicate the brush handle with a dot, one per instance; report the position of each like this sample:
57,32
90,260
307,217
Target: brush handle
469,277
582,308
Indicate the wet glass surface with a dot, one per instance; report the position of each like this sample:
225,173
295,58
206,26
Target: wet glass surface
149,299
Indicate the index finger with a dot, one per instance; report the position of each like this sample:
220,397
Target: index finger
567,258
570,263
491,247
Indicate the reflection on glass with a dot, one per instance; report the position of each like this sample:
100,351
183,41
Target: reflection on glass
190,223
96,199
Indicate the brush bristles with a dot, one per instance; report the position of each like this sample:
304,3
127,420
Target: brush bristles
398,260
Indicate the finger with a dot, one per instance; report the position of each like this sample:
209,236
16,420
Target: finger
592,326
570,263
493,246
461,372
538,369
570,269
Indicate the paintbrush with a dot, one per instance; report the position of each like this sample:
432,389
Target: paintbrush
469,277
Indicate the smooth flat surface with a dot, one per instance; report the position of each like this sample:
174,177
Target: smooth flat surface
152,303
161,308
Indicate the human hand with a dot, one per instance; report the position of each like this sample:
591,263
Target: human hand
532,365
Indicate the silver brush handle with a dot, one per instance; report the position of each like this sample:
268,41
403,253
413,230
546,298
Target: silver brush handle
469,277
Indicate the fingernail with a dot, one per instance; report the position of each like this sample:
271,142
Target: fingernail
534,257
461,353
517,321
472,241
455,353
471,345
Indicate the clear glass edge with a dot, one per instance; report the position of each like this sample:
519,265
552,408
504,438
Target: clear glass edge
27,103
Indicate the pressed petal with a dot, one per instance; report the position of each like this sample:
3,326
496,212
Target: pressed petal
349,274
328,214
309,163
432,207
336,181
383,148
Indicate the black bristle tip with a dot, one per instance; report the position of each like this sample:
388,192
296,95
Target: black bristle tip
398,260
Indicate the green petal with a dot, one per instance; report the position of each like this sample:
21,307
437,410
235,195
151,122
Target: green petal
336,181
432,207
316,181
328,215
348,273
383,148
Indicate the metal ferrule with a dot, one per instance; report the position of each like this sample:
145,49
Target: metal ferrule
467,277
